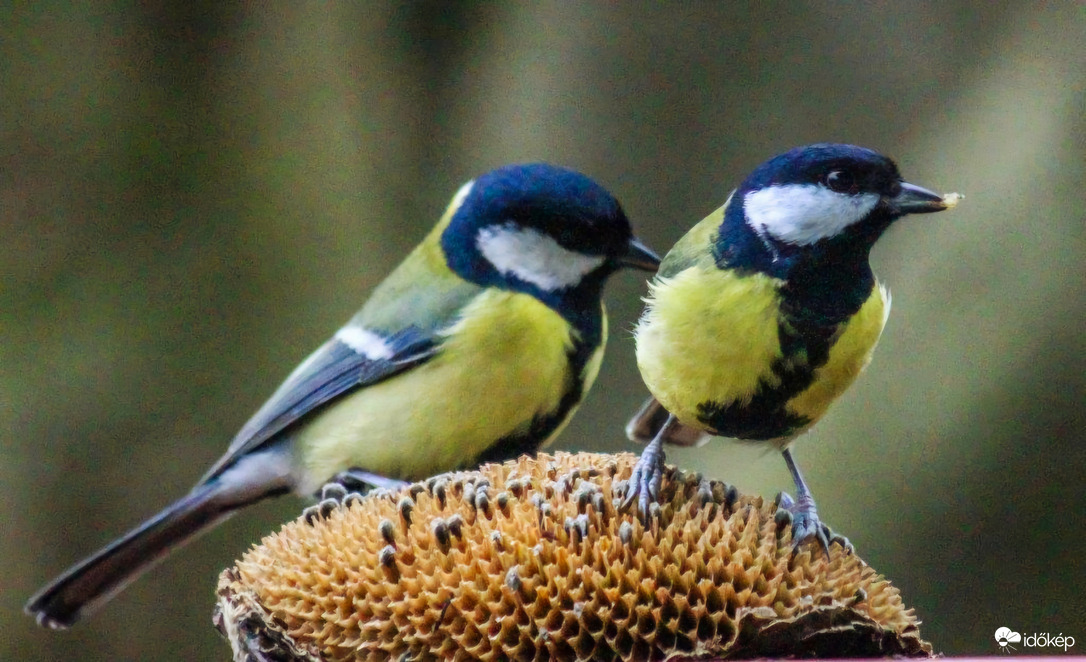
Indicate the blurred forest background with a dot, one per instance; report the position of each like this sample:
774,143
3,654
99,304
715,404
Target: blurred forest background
194,196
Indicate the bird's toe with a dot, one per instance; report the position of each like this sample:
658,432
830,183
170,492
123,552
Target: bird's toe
806,525
644,484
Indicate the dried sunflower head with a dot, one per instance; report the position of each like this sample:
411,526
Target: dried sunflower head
530,560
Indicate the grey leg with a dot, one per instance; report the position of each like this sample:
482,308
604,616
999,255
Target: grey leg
648,474
805,521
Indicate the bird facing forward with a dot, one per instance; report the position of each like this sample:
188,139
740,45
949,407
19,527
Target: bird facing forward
767,310
478,347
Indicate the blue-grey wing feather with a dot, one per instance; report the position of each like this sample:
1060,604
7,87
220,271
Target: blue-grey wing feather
333,370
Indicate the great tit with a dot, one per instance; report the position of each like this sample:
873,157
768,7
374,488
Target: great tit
767,310
478,347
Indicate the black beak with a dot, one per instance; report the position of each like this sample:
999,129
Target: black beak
639,256
916,200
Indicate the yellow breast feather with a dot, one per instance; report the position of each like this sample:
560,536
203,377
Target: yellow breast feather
447,411
708,334
848,356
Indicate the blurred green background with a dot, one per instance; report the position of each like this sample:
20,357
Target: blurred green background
191,199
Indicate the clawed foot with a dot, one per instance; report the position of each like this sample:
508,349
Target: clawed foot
645,481
805,523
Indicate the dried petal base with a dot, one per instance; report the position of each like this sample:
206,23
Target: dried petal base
530,560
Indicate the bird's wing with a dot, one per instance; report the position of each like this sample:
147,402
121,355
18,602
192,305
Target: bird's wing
417,301
650,419
339,366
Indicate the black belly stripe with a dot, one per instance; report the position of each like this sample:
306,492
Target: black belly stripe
807,333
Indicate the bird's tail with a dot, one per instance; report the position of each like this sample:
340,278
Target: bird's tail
90,583
650,419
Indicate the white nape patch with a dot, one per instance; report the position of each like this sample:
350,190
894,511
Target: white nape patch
534,257
461,194
365,342
802,214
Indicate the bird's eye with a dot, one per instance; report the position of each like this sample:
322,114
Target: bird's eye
840,181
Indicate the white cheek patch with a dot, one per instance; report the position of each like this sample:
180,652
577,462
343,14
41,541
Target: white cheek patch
802,214
365,342
534,257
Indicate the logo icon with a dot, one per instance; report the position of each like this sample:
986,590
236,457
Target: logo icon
1005,637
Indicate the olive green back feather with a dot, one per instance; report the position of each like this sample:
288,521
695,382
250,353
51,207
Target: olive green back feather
422,291
693,248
